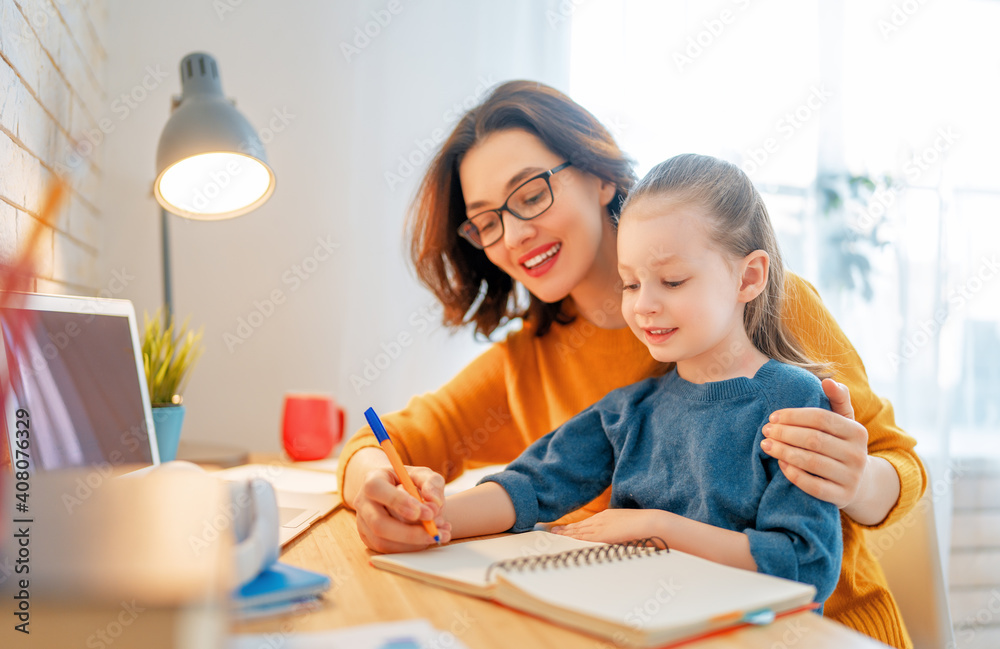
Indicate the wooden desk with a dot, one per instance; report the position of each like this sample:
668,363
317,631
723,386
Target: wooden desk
362,594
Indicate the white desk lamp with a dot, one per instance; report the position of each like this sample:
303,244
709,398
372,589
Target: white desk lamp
210,162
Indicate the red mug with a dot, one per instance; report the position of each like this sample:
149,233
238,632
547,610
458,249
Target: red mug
311,425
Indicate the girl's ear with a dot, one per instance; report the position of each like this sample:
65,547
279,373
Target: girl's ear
753,275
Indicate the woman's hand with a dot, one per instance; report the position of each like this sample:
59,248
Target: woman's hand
824,453
388,518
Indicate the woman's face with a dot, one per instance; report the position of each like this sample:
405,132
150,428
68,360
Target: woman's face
557,251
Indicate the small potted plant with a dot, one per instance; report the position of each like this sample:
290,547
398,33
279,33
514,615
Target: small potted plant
169,352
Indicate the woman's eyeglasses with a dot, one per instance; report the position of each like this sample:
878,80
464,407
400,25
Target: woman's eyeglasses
528,201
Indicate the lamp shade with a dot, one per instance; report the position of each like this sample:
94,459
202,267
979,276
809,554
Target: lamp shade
210,162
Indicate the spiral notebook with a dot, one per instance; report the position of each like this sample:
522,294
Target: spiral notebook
636,594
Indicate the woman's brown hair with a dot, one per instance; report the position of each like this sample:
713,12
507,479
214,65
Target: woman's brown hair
468,285
741,226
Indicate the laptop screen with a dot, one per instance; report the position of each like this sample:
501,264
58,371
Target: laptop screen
74,371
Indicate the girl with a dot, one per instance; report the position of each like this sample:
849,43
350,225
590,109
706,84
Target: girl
702,280
574,347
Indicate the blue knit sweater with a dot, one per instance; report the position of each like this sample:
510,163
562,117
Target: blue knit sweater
694,450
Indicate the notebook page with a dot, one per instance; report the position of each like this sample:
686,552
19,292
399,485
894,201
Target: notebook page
463,566
661,597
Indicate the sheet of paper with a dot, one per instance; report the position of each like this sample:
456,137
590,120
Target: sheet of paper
284,477
408,634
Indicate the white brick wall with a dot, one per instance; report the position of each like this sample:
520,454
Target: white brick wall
51,87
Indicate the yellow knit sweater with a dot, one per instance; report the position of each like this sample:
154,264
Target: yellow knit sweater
526,386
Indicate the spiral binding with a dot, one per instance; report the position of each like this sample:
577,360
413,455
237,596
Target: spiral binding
584,556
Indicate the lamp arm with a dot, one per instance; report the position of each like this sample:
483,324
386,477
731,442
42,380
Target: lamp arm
168,300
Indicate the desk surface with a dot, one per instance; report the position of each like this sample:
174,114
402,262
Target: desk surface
362,594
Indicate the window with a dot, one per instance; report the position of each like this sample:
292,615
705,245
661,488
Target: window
804,95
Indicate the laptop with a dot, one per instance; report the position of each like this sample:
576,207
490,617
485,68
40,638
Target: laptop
76,373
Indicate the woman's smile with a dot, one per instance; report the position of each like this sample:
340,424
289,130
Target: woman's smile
540,260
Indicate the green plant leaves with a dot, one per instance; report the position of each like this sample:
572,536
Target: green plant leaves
168,355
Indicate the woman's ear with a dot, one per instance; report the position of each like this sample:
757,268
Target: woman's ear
607,191
753,275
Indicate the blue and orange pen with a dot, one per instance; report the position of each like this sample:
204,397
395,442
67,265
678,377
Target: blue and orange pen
397,466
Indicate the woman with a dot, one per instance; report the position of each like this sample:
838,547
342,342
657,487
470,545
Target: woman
502,183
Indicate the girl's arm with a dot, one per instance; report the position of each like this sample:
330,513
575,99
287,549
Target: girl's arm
690,536
484,509
556,474
867,467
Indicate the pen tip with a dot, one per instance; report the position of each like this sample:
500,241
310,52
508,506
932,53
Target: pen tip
437,539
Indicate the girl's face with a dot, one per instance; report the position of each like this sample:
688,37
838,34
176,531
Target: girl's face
553,254
681,295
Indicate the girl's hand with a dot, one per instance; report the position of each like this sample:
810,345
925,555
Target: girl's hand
824,453
388,518
618,525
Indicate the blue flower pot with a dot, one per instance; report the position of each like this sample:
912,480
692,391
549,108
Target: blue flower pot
167,422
